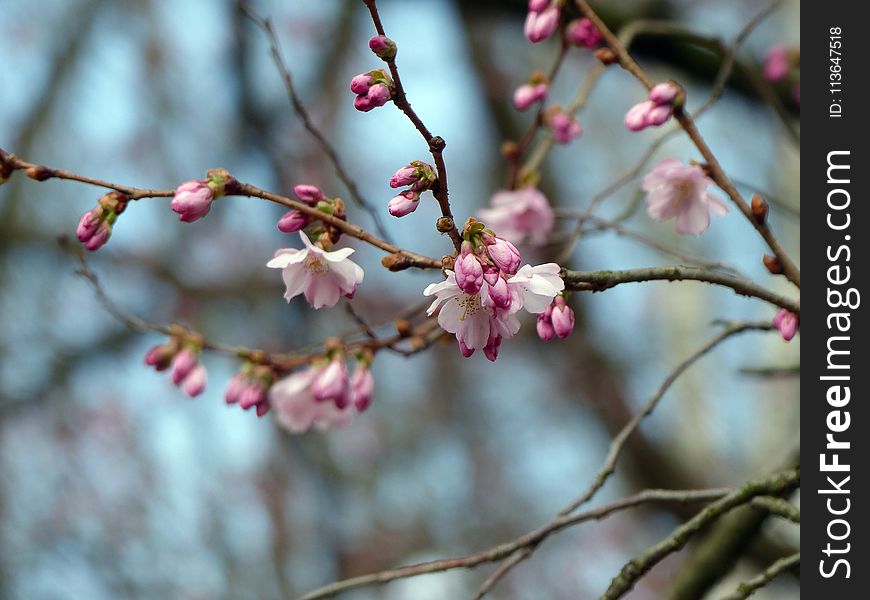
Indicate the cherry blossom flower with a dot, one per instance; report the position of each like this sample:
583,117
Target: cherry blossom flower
520,215
787,322
537,286
297,410
472,318
322,276
676,190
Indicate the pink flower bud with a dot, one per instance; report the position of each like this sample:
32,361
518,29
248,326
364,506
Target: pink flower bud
379,94
331,383
88,224
564,127
309,194
562,318
194,383
383,46
469,271
542,24
545,325
465,350
235,388
504,254
363,103
404,203
491,274
361,83
404,176
362,385
500,294
663,93
636,117
263,408
787,322
192,200
160,356
582,33
251,395
292,221
100,237
658,115
776,64
183,364
492,346
528,93
538,5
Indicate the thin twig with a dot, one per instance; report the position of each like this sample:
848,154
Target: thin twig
597,281
275,49
747,588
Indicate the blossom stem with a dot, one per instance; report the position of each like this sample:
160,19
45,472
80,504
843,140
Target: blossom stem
436,143
598,281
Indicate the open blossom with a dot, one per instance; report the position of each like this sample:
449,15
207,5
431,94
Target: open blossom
472,318
529,93
582,33
192,200
296,408
520,215
564,127
679,191
787,322
537,286
541,20
776,64
322,276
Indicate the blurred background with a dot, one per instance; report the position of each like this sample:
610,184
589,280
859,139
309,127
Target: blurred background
116,485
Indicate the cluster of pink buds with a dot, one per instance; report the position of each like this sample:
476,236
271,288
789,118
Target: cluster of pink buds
193,199
373,89
249,388
564,126
534,90
542,19
485,289
182,356
323,395
417,174
582,33
663,99
557,320
788,323
383,47
295,220
95,226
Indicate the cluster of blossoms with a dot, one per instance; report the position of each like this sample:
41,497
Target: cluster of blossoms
536,89
481,295
656,109
522,215
678,191
556,321
542,19
193,199
323,395
787,323
420,177
182,356
95,226
249,388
